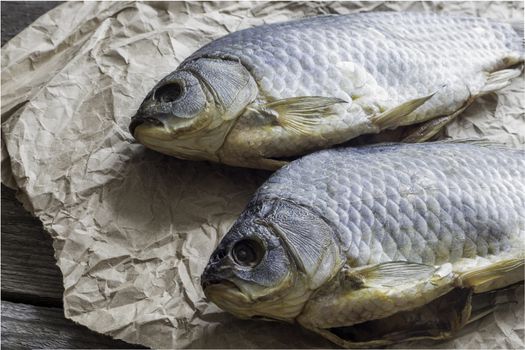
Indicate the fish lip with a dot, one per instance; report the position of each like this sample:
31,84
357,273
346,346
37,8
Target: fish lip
219,283
141,119
163,120
210,281
209,278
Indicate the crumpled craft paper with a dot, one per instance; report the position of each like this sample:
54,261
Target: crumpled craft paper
132,228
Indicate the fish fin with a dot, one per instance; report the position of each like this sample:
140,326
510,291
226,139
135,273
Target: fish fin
379,292
481,142
426,130
255,163
396,116
269,164
485,303
437,312
389,274
481,313
429,129
493,276
499,79
439,319
299,115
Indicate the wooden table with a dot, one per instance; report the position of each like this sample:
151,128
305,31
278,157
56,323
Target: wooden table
32,312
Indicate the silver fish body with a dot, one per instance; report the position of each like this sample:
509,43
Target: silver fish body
403,234
424,203
308,84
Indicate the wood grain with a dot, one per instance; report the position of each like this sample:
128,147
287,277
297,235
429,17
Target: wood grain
29,271
36,327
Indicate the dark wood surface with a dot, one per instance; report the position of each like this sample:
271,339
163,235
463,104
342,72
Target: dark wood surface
29,273
26,326
32,313
16,15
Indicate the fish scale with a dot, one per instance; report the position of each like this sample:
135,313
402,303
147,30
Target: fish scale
435,208
259,95
381,234
300,50
375,245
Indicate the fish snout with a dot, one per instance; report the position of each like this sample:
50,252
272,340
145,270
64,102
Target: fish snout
158,104
210,276
207,280
213,272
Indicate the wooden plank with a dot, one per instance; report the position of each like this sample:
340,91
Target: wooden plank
29,271
29,327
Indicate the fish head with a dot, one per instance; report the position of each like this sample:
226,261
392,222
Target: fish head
189,113
271,260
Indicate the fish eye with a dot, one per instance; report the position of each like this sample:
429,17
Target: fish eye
169,92
248,252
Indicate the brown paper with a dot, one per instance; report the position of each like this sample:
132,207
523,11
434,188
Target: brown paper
132,228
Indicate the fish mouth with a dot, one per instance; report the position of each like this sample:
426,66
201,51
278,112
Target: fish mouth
139,120
231,298
165,126
220,291
184,138
162,127
219,284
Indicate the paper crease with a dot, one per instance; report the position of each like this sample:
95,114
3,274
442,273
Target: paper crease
132,228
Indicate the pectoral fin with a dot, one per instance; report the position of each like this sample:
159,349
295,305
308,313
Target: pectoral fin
299,115
397,116
390,273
